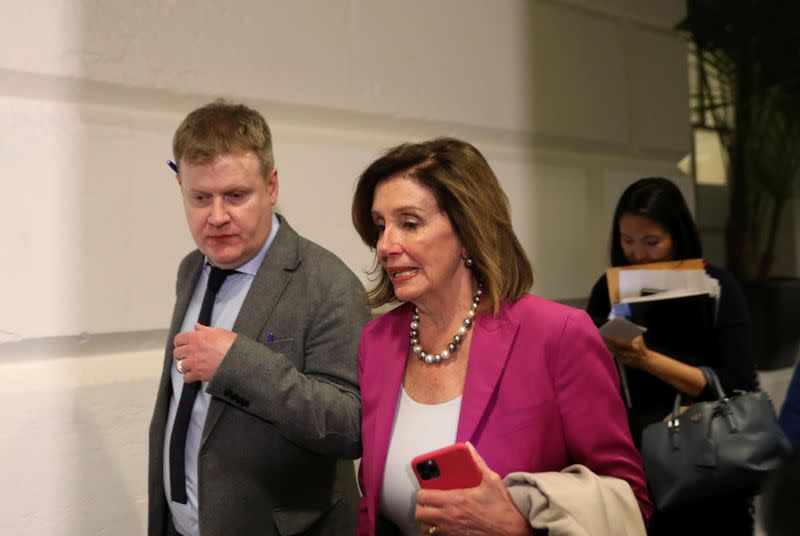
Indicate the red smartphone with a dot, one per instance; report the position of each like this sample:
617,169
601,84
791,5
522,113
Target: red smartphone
451,467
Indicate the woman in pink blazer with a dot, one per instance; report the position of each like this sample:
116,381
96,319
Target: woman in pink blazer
470,355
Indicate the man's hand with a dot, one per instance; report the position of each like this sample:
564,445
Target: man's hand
201,351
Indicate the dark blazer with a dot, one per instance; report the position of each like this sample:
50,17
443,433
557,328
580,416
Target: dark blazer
790,411
541,393
284,421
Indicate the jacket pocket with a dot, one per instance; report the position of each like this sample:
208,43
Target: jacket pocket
285,347
298,520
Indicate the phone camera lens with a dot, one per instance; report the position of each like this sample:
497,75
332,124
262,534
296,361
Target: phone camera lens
428,469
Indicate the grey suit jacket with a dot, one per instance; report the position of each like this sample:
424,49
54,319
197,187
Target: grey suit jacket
284,420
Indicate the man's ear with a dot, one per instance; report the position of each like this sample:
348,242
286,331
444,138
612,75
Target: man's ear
272,186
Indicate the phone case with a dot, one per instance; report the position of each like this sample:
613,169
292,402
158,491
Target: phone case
451,467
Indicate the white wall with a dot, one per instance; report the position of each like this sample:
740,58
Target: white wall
569,100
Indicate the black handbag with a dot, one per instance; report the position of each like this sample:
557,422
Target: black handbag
725,446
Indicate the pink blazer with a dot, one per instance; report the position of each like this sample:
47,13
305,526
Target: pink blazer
541,393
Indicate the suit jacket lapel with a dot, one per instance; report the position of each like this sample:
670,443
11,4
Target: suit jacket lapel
394,352
183,295
186,282
275,272
492,339
273,275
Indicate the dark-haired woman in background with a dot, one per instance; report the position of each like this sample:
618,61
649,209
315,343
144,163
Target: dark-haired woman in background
651,224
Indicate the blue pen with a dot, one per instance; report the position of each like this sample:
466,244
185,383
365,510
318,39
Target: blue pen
270,337
172,165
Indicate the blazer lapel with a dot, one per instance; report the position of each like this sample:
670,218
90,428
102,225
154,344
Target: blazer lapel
492,339
183,295
394,352
275,272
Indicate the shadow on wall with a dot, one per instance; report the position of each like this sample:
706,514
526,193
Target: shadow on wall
110,459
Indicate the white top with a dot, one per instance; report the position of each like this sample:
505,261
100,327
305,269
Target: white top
417,429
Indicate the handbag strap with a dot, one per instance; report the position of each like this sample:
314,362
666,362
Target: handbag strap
716,387
713,381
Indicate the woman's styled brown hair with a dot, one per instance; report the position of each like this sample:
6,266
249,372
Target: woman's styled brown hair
221,127
468,191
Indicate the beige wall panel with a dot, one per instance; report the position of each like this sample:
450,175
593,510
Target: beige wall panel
100,226
661,13
74,453
659,112
579,77
464,61
455,61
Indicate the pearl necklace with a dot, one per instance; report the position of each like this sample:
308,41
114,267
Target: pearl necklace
457,338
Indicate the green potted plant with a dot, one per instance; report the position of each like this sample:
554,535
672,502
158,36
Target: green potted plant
747,56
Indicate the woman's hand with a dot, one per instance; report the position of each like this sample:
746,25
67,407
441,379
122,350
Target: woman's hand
483,510
685,378
633,353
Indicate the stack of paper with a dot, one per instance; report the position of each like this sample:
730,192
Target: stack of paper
613,274
644,284
676,308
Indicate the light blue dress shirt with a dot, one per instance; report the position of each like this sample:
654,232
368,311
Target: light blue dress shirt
226,308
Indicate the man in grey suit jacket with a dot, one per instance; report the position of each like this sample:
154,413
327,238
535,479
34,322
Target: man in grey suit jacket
275,423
